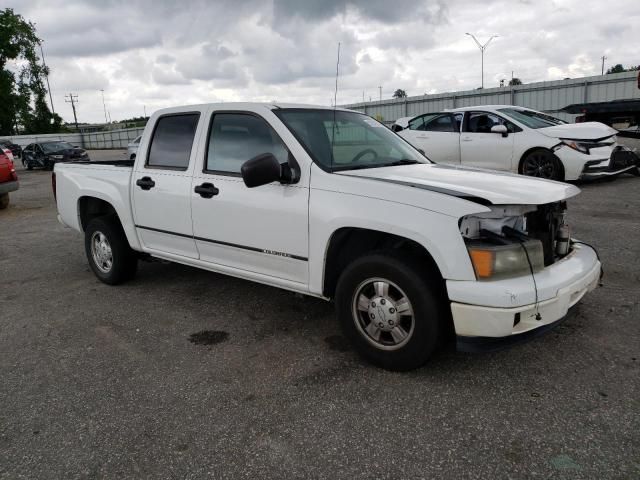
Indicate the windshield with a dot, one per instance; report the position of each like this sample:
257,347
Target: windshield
353,141
531,118
55,146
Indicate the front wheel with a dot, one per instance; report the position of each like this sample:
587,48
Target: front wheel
389,311
108,251
542,164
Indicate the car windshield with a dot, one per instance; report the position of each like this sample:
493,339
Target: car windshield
339,140
55,146
531,118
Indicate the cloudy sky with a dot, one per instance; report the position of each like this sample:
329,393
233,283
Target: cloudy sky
152,54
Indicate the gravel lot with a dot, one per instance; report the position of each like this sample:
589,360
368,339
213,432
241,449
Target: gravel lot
103,382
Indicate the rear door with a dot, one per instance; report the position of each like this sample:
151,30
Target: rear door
262,230
479,147
437,135
161,185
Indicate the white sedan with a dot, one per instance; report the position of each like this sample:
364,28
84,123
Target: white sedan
517,139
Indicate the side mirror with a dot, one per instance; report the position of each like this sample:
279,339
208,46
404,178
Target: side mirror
500,129
261,170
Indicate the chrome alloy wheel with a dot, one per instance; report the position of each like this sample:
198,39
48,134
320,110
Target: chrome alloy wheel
101,252
383,314
539,165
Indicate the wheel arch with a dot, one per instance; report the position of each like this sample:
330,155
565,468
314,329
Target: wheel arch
90,207
533,149
348,243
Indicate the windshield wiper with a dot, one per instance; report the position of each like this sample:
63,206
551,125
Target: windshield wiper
404,161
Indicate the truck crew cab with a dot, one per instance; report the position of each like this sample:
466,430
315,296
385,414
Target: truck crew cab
330,203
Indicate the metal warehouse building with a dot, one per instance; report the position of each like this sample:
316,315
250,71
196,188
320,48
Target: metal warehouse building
548,97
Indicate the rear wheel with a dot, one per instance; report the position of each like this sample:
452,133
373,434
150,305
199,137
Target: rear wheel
389,311
542,164
108,251
4,201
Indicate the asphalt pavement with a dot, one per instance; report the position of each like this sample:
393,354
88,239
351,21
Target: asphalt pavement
120,382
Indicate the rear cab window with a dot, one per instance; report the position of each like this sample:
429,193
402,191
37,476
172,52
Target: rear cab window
172,141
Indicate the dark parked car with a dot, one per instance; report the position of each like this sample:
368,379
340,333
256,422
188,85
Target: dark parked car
47,154
16,149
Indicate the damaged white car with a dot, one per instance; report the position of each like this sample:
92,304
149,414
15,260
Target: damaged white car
518,140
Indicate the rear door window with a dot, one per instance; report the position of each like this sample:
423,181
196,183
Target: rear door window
172,141
441,123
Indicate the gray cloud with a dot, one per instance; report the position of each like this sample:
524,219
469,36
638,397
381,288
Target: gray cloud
161,52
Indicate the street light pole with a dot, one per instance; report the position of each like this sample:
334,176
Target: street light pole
105,107
482,49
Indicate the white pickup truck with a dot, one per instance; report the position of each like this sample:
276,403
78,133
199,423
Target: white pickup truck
331,203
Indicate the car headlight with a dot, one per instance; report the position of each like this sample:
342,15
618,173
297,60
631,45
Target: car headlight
56,157
578,146
495,262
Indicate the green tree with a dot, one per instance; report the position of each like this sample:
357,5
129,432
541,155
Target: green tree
22,90
619,68
515,81
399,93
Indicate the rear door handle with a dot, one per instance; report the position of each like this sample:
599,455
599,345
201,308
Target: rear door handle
206,190
466,139
145,183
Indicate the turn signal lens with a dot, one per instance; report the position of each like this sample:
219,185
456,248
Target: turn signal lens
482,262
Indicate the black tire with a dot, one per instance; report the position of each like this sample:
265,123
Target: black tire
427,310
29,166
635,171
4,201
541,163
124,262
132,157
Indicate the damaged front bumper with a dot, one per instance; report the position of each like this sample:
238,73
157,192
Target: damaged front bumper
494,314
622,160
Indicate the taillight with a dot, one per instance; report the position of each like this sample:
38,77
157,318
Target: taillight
53,185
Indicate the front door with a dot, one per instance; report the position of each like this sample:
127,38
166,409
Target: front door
479,147
262,230
161,188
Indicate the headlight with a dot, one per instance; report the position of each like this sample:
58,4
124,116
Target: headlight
57,157
579,146
495,262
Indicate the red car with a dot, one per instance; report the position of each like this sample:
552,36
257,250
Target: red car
8,180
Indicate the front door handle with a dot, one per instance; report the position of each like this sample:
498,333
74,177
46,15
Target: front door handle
145,183
466,139
206,190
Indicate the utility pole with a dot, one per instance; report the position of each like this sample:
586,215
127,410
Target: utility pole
482,49
145,110
380,88
73,99
362,96
603,59
105,107
46,76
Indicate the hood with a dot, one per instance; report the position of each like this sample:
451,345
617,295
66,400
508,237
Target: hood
579,131
474,184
